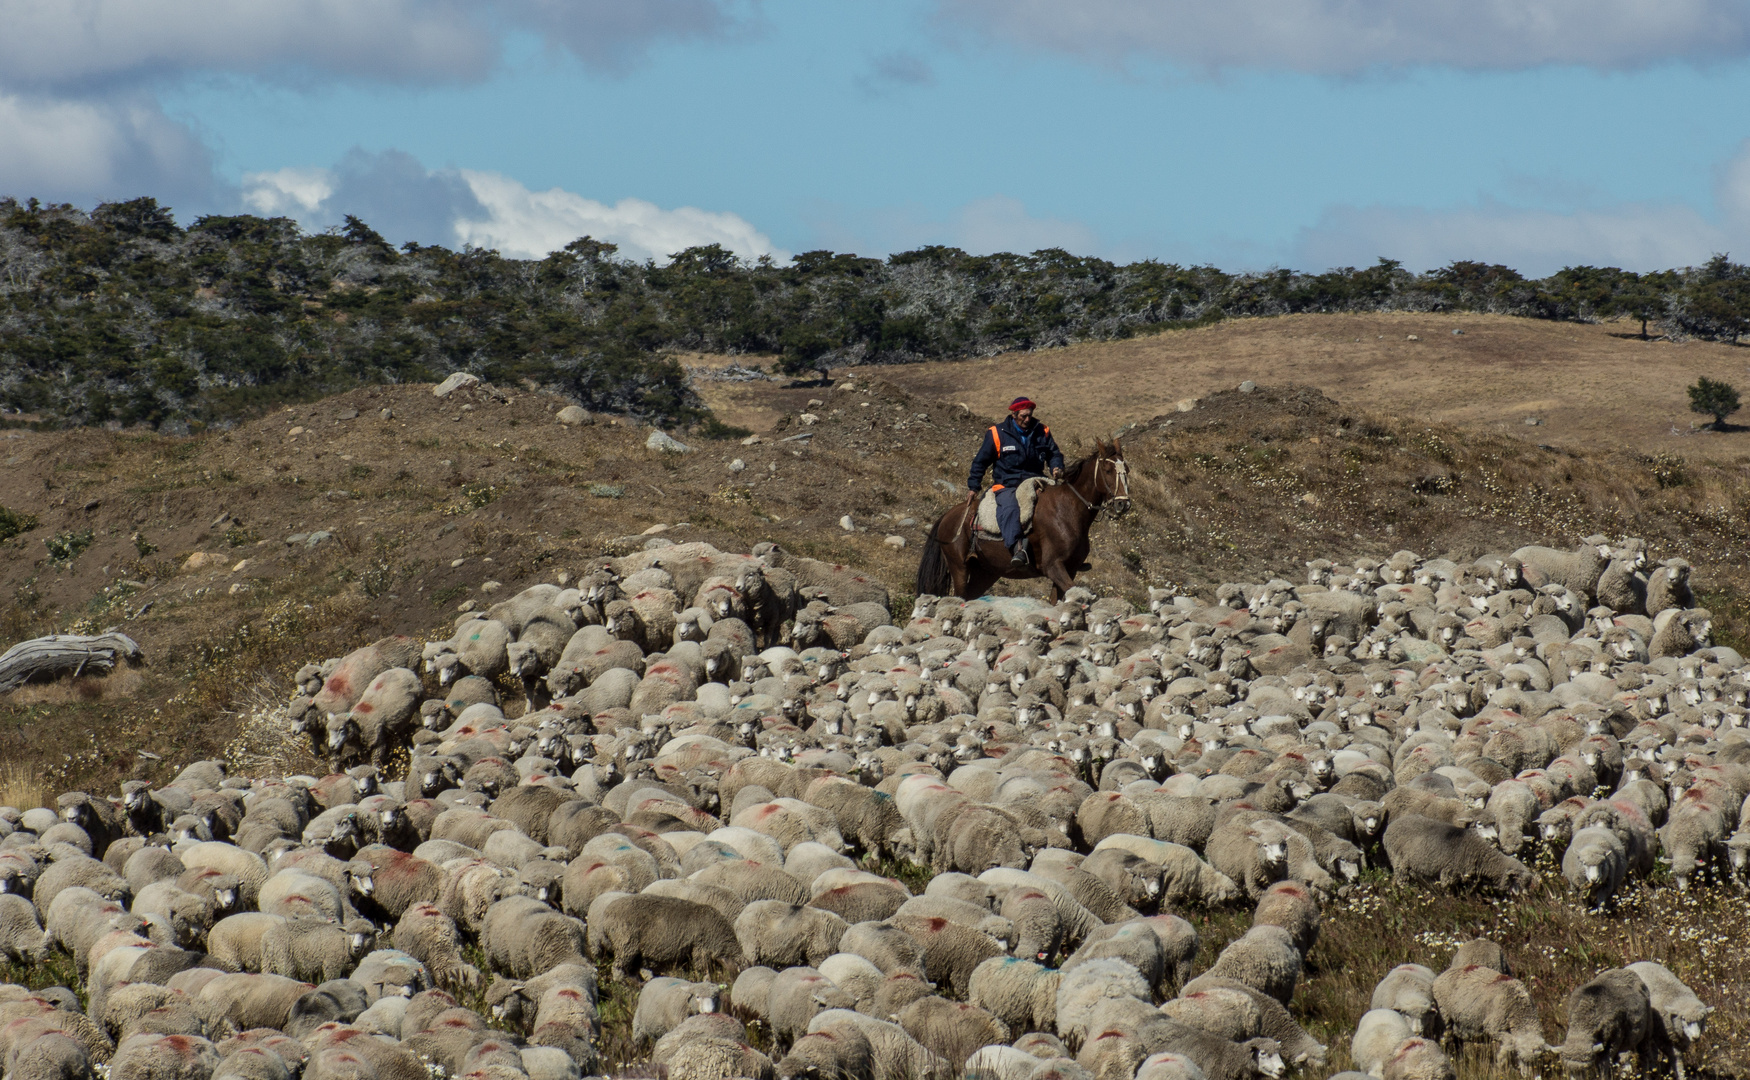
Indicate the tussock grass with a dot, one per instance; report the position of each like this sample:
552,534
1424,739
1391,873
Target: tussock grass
21,787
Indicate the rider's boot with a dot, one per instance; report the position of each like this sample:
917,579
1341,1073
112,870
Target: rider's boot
1020,554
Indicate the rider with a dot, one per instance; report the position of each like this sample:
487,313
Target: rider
1015,450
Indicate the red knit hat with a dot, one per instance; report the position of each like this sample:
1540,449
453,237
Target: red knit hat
1021,403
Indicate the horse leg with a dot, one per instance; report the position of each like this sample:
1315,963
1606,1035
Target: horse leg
979,581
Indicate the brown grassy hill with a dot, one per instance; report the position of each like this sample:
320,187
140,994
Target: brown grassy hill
1596,386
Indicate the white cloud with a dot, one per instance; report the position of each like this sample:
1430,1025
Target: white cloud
287,192
1637,236
86,151
530,224
981,227
1343,37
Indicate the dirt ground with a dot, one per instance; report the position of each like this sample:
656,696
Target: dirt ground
210,550
1593,386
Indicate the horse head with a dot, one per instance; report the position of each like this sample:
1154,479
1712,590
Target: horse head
1113,482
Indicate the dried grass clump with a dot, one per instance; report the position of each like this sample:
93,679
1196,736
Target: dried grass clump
265,744
21,786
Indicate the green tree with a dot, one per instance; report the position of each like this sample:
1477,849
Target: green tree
1717,399
1641,298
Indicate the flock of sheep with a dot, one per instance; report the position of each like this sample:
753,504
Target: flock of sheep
709,740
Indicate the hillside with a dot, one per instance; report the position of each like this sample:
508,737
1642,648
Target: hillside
1590,385
424,509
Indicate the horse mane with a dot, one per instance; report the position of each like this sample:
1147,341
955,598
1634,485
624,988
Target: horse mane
1074,468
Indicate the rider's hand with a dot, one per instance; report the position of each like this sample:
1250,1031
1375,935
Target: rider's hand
1057,474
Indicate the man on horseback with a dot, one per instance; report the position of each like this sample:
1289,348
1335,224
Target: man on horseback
1017,449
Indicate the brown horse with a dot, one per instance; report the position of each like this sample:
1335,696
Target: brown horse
956,561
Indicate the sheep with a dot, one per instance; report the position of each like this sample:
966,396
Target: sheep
1594,864
164,1057
478,648
841,1052
1408,990
663,1003
239,1002
234,942
1668,588
1292,906
70,869
1378,1035
1480,1004
1185,877
314,950
774,933
856,896
856,976
22,937
1263,958
885,945
382,719
1424,850
658,930
795,997
896,1055
429,936
951,950
523,937
1676,1011
1080,993
1608,1016
1418,1059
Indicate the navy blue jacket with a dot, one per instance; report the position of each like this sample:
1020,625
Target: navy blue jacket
1020,455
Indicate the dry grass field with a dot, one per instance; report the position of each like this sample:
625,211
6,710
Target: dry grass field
1591,386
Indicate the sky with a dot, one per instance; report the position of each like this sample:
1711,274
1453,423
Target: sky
1241,133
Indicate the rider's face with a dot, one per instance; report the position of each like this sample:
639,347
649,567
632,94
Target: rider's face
1024,417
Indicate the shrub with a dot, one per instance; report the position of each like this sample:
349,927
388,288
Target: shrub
1714,398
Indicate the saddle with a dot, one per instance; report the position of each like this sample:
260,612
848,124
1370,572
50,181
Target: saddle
985,525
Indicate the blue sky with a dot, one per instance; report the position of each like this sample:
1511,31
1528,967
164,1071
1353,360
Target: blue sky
1246,133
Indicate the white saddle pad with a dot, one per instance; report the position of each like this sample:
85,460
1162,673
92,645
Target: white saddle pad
1025,496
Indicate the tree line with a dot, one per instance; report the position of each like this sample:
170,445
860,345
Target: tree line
121,314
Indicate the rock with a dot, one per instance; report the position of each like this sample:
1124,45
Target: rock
1186,404
238,587
347,414
1412,337
906,523
386,414
573,416
200,560
737,465
752,440
563,578
657,542
1533,421
455,382
655,530
815,403
490,586
894,541
467,606
295,431
1458,333
318,537
297,538
456,562
809,419
667,444
847,524
242,565
1248,386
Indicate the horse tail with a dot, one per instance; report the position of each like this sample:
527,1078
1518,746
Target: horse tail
933,576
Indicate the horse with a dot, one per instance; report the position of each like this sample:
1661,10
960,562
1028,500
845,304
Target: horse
955,561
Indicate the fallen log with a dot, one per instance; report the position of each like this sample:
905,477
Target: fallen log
61,653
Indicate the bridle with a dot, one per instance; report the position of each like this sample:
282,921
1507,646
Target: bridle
1120,499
